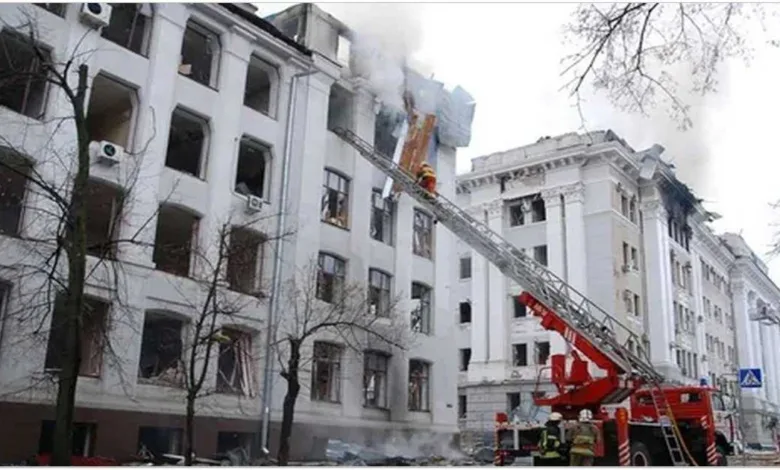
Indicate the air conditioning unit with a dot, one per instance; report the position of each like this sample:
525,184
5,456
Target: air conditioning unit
106,153
96,15
253,204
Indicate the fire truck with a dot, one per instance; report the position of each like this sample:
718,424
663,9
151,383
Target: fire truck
668,424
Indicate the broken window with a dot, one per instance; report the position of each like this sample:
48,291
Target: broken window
465,312
230,442
110,111
161,351
186,143
462,406
540,254
465,359
93,328
379,293
516,215
421,308
634,258
465,268
542,352
160,441
326,372
625,254
538,211
13,185
331,278
375,369
519,355
82,445
335,199
55,8
174,240
423,235
419,386
512,401
199,55
251,174
637,312
381,217
128,26
519,309
244,263
234,369
24,76
339,109
343,50
259,93
385,127
104,209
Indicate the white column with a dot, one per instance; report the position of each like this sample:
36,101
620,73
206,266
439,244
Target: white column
576,262
479,311
496,300
555,250
775,340
757,346
745,354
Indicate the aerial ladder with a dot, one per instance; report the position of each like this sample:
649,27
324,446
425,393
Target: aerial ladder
585,325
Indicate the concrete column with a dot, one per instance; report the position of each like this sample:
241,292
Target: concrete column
745,352
496,294
576,264
659,290
479,311
556,246
775,372
767,349
758,354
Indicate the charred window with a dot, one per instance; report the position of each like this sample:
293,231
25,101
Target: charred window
519,310
260,91
252,173
527,210
379,293
331,278
465,312
335,199
111,110
421,308
104,209
23,74
381,218
465,359
538,210
462,406
82,445
186,143
93,326
386,128
199,55
375,372
339,109
245,260
160,441
542,349
234,370
326,372
13,185
54,8
540,254
128,26
161,351
173,243
465,268
512,401
419,385
519,355
422,238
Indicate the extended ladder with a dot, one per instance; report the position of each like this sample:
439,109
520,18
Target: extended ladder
581,315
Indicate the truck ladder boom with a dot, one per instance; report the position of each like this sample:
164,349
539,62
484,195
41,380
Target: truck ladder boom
579,313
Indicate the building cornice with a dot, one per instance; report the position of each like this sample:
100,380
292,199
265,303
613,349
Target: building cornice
706,242
748,271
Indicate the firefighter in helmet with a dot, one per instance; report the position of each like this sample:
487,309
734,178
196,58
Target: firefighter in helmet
584,437
426,178
550,443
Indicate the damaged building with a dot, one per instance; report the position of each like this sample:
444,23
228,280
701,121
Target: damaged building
187,111
621,228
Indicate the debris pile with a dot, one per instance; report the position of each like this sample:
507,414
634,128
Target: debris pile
349,454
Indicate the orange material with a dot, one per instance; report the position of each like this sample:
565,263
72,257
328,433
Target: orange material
624,446
415,148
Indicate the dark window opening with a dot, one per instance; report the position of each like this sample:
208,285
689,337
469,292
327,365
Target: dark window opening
55,8
462,406
110,111
339,109
516,215
542,352
160,441
540,254
174,240
326,373
513,401
258,94
465,268
538,211
13,186
251,173
234,367
94,330
199,55
128,25
104,210
24,75
386,126
422,237
421,309
465,312
335,199
519,355
419,385
161,351
235,442
465,359
186,143
331,278
519,309
379,296
375,371
381,218
245,261
83,444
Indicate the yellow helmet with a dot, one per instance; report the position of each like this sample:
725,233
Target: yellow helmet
424,165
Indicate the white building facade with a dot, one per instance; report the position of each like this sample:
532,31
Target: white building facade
197,96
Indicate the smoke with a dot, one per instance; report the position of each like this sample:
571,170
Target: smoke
386,36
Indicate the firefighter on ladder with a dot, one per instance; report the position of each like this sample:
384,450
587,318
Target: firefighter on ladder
584,437
550,443
426,178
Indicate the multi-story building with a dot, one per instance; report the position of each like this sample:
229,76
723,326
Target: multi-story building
195,99
619,227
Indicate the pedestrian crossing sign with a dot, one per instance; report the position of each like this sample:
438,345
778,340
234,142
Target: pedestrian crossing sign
750,378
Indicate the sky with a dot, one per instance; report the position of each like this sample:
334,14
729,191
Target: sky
508,57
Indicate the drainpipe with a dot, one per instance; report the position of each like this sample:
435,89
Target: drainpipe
277,280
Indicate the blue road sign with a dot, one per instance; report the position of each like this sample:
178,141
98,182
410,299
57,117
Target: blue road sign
750,378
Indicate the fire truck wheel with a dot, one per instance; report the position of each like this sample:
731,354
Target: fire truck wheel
721,462
640,455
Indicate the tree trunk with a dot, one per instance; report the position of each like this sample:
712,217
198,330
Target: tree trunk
288,408
75,245
189,431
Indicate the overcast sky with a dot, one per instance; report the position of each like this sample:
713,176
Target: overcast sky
508,57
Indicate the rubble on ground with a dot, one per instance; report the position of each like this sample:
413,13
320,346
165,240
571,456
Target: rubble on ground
338,452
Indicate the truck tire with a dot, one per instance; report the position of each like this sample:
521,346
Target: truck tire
721,462
640,455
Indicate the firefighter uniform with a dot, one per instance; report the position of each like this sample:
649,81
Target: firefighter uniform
550,443
584,437
426,178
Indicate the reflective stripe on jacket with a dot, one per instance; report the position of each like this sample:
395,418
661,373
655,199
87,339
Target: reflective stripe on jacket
584,439
549,445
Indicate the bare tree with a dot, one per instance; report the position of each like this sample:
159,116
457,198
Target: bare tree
334,315
637,52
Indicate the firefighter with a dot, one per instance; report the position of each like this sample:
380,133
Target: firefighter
550,443
426,178
584,437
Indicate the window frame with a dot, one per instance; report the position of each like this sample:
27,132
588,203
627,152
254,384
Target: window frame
267,155
516,355
203,158
383,290
22,164
386,213
272,70
333,359
382,368
423,384
10,34
422,226
147,28
467,266
199,27
328,193
339,273
425,308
